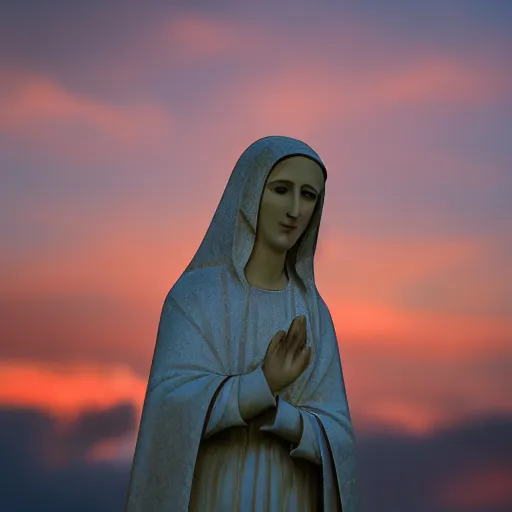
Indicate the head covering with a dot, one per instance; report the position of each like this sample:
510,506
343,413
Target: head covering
232,231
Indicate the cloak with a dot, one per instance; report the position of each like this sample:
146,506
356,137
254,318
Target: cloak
192,361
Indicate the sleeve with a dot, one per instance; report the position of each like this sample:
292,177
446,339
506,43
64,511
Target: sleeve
184,378
296,425
241,398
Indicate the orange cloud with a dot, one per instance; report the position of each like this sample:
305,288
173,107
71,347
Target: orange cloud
367,282
415,396
100,299
65,390
122,263
429,335
98,296
122,253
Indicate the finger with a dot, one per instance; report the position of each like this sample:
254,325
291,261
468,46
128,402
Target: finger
300,362
295,327
287,339
279,338
304,338
305,357
299,345
291,331
299,337
282,348
275,342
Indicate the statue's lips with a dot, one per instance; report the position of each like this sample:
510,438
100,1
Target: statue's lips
287,227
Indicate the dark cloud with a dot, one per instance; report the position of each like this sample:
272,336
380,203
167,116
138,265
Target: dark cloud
396,473
94,426
399,473
28,439
33,435
20,435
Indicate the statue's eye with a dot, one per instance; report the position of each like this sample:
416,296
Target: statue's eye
281,189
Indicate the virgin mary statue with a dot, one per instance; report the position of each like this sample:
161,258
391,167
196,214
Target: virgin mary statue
246,407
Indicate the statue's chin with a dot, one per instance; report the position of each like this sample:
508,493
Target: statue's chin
281,247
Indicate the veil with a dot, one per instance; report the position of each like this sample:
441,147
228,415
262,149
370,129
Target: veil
232,231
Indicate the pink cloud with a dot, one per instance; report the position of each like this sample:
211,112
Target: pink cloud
98,295
273,94
297,99
283,93
125,269
364,293
478,487
50,117
193,37
118,258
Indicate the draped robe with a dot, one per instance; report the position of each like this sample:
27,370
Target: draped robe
194,450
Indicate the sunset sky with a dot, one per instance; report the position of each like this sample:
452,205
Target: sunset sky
120,123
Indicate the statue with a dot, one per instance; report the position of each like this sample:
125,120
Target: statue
246,407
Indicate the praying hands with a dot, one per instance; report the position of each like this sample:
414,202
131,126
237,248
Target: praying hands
287,356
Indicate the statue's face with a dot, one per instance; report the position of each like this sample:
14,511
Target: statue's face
289,197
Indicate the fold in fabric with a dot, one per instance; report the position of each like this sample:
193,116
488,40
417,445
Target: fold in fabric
247,396
242,396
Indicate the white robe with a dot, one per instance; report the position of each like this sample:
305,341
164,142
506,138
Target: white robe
206,374
255,465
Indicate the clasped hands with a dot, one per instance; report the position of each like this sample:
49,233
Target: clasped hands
287,356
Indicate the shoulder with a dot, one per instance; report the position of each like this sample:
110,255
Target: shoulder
325,316
322,306
197,287
196,295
